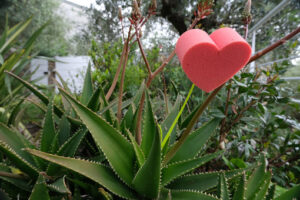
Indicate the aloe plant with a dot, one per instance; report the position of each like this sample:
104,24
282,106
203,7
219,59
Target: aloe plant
125,169
14,57
118,150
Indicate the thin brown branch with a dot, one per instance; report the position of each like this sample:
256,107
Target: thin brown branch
275,45
164,64
11,175
143,52
114,83
119,113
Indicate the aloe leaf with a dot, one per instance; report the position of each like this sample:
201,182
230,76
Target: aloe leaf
94,171
16,33
174,170
271,192
34,36
195,141
48,134
150,171
189,117
37,93
94,102
87,91
203,181
167,123
108,116
108,139
18,161
256,179
40,190
291,194
240,191
149,128
20,183
64,130
190,195
223,187
63,82
128,118
12,144
60,186
14,113
261,194
177,117
68,149
138,151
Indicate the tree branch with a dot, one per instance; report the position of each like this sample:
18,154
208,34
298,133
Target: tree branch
275,45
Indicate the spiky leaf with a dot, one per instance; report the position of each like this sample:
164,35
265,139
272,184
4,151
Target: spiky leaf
94,171
271,192
240,191
12,143
195,141
94,101
20,183
223,187
256,179
291,194
64,130
40,190
205,181
37,93
108,139
68,149
174,170
147,179
87,91
138,151
60,186
190,195
167,123
261,194
149,128
48,134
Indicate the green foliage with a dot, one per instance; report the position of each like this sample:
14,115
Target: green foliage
83,151
53,41
124,173
106,58
15,61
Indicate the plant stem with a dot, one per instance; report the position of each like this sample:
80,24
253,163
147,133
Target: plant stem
119,114
143,52
275,45
11,175
114,83
190,126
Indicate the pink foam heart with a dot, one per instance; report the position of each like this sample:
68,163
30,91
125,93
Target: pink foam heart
211,60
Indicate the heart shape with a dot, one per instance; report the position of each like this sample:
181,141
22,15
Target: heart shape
211,60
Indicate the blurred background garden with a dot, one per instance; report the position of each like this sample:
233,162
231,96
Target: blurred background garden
51,43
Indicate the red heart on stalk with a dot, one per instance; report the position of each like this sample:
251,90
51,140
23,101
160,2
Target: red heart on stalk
211,60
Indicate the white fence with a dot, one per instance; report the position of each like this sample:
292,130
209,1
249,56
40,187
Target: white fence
71,69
